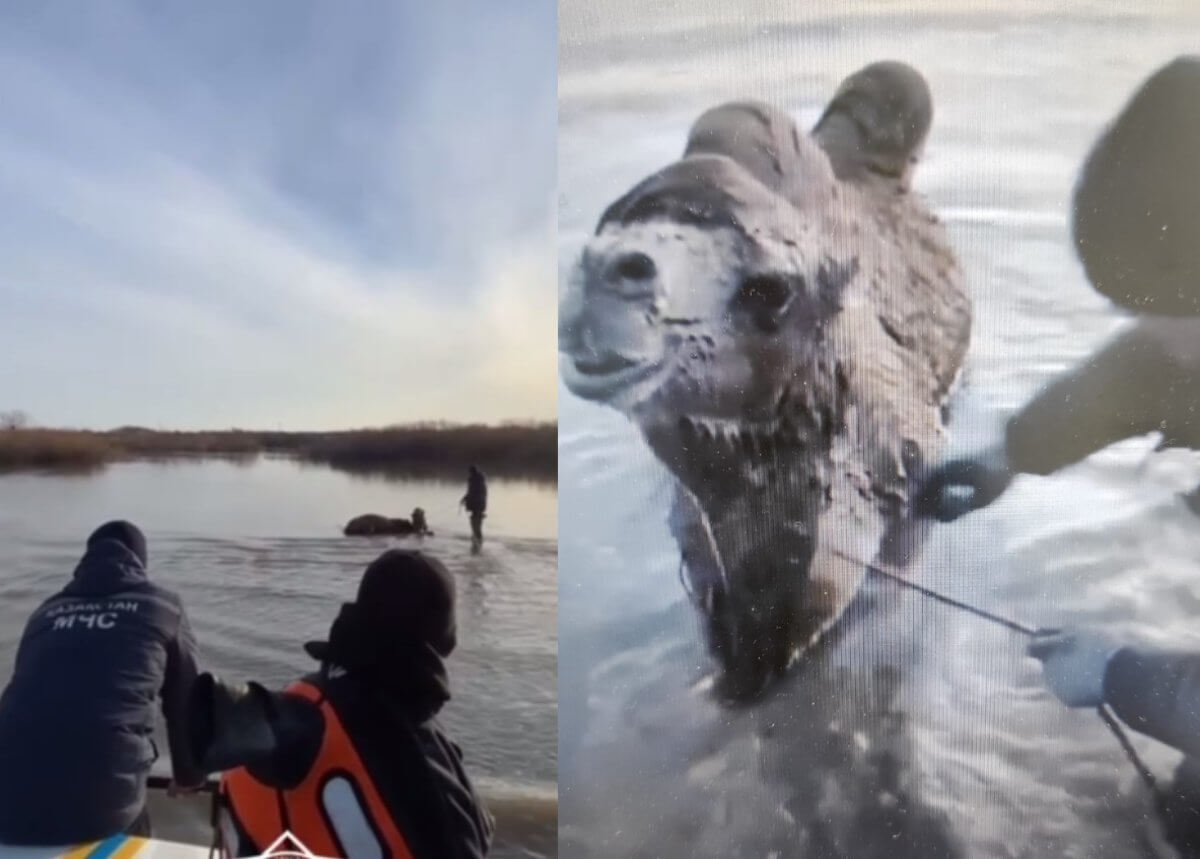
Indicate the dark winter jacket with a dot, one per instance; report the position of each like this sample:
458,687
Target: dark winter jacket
476,498
77,717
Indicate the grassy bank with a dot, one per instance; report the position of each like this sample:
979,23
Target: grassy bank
514,450
58,450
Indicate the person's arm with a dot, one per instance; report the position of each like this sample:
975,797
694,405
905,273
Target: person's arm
299,730
474,813
1125,389
182,669
275,735
1157,693
1130,387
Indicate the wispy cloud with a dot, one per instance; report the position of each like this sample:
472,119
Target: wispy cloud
278,213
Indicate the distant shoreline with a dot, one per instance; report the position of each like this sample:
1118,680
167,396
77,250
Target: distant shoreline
516,450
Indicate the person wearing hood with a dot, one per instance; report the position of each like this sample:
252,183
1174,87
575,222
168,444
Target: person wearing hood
353,761
78,716
1136,225
1136,230
476,501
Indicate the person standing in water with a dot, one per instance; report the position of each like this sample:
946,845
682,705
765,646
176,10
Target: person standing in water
476,502
78,715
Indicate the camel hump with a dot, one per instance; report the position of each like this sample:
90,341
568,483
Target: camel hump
877,122
765,141
368,523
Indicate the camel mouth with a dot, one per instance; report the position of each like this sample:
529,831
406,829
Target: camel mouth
605,364
753,641
604,376
756,441
757,614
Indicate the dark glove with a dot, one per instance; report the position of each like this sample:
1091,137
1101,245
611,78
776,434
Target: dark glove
984,477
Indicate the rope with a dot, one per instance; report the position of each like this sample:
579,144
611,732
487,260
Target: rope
1130,752
942,598
1106,714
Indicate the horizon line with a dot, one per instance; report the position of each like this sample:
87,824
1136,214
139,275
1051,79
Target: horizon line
520,423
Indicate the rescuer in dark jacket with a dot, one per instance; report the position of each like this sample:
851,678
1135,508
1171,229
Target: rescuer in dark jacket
476,502
351,759
1135,222
77,717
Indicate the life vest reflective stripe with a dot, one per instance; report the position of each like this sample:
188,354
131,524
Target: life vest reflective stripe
335,811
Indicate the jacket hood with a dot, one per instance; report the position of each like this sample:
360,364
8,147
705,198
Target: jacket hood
107,567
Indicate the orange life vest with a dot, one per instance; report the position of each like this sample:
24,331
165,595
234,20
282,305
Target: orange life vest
336,802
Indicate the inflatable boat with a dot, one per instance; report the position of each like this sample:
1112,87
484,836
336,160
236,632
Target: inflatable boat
117,847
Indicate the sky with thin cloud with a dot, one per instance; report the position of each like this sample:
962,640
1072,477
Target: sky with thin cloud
277,214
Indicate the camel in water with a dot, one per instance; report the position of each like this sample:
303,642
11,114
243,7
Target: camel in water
784,322
371,525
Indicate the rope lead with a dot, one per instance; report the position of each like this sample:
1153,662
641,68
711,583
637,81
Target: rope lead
1106,714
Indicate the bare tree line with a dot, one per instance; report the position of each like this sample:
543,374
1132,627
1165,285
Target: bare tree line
13,419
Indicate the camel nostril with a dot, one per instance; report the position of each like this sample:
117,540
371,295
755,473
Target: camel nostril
634,266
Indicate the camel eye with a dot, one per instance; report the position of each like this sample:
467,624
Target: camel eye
764,297
635,266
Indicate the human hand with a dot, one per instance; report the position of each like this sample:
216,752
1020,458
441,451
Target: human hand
985,476
175,789
1074,663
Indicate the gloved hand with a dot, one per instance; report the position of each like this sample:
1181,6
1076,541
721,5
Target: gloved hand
985,475
1074,663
